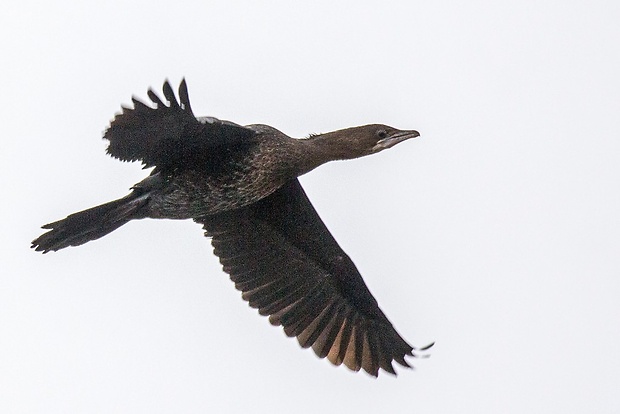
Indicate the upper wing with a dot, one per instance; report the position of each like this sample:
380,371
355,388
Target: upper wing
282,257
169,136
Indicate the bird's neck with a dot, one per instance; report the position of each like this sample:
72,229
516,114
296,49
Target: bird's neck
316,150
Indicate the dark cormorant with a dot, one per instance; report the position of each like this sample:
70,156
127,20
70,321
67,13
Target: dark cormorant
240,183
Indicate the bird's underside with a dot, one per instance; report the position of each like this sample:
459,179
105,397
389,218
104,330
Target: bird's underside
277,250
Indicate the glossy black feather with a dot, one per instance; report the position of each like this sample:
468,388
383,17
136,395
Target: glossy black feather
170,136
281,255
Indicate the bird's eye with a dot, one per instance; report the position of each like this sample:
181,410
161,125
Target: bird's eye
382,133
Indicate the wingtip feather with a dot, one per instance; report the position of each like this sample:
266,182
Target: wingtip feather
169,94
184,97
156,99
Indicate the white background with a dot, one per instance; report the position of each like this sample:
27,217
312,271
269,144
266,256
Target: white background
495,234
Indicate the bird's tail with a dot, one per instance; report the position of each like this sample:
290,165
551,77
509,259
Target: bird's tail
91,224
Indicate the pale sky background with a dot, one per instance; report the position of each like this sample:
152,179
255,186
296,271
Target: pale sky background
495,234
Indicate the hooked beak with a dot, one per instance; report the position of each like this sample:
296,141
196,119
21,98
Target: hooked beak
393,139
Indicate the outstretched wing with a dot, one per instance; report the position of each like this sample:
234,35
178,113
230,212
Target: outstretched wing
169,136
288,266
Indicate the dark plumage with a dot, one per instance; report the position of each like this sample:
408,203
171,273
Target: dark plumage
240,183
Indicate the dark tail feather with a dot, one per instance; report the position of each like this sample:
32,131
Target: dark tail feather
91,224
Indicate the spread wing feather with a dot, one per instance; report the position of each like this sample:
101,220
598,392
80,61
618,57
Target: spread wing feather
281,256
169,136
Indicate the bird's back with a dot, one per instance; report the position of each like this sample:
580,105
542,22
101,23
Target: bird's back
232,177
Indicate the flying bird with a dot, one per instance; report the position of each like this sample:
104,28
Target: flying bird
241,184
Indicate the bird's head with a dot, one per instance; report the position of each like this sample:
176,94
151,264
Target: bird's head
359,141
370,139
346,144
